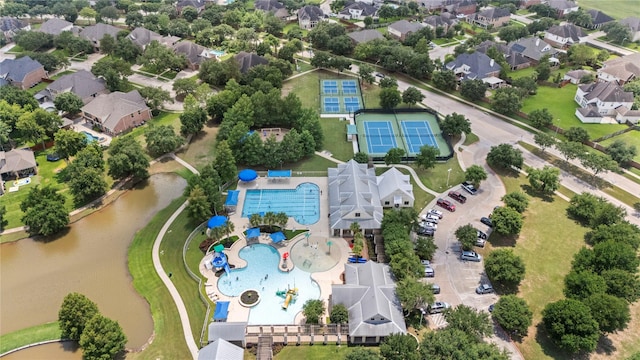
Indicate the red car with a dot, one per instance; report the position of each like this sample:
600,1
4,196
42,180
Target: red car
458,197
446,204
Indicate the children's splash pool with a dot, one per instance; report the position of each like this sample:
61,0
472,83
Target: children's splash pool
262,273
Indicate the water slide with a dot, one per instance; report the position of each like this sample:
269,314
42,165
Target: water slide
287,300
288,296
220,261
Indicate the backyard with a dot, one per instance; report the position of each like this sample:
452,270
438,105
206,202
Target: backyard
630,138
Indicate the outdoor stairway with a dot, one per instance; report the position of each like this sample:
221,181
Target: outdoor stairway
265,350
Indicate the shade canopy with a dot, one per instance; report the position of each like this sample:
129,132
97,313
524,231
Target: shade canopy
218,248
232,198
253,233
216,221
277,237
247,175
222,310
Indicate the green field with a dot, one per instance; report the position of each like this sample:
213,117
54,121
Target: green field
317,352
618,9
30,335
335,138
631,138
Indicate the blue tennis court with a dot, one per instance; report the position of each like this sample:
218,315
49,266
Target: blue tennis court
351,104
331,104
329,86
380,137
349,87
418,134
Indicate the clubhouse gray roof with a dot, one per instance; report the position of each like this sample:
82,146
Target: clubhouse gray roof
193,52
392,180
17,69
369,295
367,10
222,350
364,36
229,331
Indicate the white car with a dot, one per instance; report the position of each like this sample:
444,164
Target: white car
480,242
430,218
470,256
426,224
438,307
429,271
435,212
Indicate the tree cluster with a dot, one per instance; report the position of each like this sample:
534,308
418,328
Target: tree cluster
395,58
505,156
204,190
44,211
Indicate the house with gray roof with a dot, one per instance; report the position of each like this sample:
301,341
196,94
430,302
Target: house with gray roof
197,4
604,98
11,26
576,76
490,17
309,16
143,37
403,28
458,7
355,10
247,60
55,26
117,112
563,36
620,70
364,36
563,7
22,73
194,53
272,6
395,189
232,332
95,33
82,83
444,20
475,66
532,48
515,60
17,163
221,349
369,294
598,19
634,25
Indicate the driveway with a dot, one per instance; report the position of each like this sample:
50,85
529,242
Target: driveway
592,39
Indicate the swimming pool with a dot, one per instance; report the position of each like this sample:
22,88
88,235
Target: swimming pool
90,137
217,53
262,273
301,203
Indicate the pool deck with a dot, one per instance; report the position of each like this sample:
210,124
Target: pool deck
319,231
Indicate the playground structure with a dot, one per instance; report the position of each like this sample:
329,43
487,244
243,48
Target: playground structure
289,295
220,259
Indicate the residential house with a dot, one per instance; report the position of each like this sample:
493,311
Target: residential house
369,294
458,7
403,28
354,10
273,6
563,7
490,17
82,83
197,4
598,19
395,189
11,26
444,20
353,197
626,115
563,36
603,98
528,3
118,112
309,16
364,36
143,37
95,33
576,76
221,349
248,60
17,163
55,27
533,48
620,70
634,25
515,60
22,73
476,66
194,53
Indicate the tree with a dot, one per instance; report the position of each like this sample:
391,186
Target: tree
44,211
365,72
86,183
506,101
69,142
3,221
411,96
543,70
540,118
68,102
155,97
472,322
399,347
74,314
339,314
425,247
427,157
506,221
467,236
451,343
388,82
390,98
362,353
159,58
617,32
505,156
102,338
581,54
526,85
622,284
225,163
614,255
33,40
597,162
577,134
580,285
513,315
475,174
199,208
544,140
571,326
313,310
114,71
109,12
413,293
473,90
611,313
127,158
161,139
623,231
545,180
570,149
192,121
394,156
516,200
361,157
185,86
88,14
622,153
512,33
445,80
50,61
505,267
455,124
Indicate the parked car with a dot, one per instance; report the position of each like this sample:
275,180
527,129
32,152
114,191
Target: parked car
379,75
435,288
429,271
482,235
457,197
426,231
484,289
469,188
487,221
435,212
427,224
480,242
430,218
470,256
446,204
438,307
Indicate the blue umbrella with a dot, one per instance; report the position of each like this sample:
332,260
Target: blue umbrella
247,175
216,221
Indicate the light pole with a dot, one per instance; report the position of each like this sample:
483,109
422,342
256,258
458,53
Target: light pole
421,316
557,127
448,175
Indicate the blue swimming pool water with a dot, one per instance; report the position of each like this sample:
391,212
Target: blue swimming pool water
90,137
217,52
301,203
262,274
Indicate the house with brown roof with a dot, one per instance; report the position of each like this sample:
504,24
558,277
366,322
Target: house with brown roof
11,26
22,73
403,28
247,60
118,112
272,6
563,36
17,163
620,70
603,98
95,33
309,16
598,19
194,53
490,17
634,25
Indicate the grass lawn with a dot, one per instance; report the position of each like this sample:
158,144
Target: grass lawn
529,72
169,342
335,141
201,148
561,105
316,163
316,352
619,9
471,139
436,178
630,138
163,118
30,335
